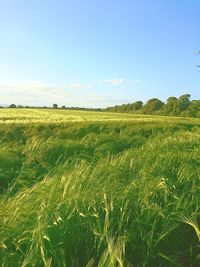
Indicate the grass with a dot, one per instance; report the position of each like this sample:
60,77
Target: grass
98,189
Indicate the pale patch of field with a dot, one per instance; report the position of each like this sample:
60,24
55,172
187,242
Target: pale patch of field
60,116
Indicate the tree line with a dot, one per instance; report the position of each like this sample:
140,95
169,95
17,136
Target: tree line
54,106
181,106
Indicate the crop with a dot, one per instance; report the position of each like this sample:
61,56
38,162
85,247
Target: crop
98,189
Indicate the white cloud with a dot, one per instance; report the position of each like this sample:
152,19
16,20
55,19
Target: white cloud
35,93
113,81
38,93
118,81
33,88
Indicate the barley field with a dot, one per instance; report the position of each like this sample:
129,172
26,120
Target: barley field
97,189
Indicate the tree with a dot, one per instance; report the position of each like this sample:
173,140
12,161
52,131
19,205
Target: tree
152,105
183,102
194,108
55,106
63,107
170,108
137,105
12,106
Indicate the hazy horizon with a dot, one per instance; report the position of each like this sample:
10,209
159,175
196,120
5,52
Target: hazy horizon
98,53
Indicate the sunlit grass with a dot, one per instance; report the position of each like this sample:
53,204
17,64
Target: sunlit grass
59,116
99,192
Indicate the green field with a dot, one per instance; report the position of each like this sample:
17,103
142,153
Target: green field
98,189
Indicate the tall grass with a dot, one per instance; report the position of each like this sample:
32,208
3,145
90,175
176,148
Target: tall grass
100,194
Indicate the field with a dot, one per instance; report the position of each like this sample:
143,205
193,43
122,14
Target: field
98,189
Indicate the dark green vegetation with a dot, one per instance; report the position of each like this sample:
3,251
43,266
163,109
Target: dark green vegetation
106,193
181,106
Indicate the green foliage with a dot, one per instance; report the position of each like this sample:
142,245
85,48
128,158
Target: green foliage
170,108
90,189
152,105
12,106
55,106
173,107
183,103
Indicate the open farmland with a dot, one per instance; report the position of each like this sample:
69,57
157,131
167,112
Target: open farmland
98,189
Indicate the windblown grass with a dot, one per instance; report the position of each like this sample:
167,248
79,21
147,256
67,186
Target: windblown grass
100,193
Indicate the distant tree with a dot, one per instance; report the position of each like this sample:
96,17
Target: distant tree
186,113
20,106
55,106
136,105
152,105
12,106
63,107
124,108
194,108
170,108
183,102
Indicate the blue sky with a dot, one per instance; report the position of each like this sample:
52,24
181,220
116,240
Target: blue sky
98,53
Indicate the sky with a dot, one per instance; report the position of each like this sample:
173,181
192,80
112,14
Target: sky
98,53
